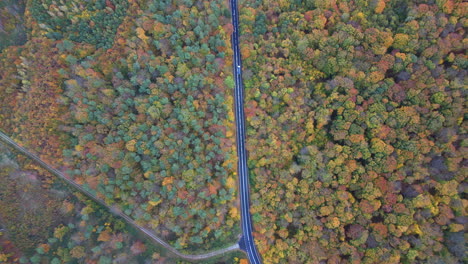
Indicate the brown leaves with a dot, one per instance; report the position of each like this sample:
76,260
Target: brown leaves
92,182
138,247
228,28
212,189
380,229
105,235
366,207
159,28
354,231
110,4
182,194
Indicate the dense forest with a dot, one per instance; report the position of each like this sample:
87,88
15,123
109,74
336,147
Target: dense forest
132,100
357,129
44,221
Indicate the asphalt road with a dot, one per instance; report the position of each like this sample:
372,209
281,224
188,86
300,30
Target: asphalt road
246,242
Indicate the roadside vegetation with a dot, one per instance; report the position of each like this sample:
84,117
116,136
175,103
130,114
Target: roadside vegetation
132,100
44,221
356,129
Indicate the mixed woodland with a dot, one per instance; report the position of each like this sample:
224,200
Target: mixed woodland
44,221
133,101
356,129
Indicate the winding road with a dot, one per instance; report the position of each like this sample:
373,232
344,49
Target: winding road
246,242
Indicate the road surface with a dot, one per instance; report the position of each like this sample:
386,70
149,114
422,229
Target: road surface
246,242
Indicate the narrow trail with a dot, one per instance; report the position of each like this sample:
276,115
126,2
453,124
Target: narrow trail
149,234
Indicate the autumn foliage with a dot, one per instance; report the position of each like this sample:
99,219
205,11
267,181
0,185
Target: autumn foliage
136,108
355,113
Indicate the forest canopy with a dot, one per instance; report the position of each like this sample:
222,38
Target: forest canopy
355,114
365,102
132,100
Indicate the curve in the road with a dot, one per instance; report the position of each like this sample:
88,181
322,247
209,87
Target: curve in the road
247,242
155,239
